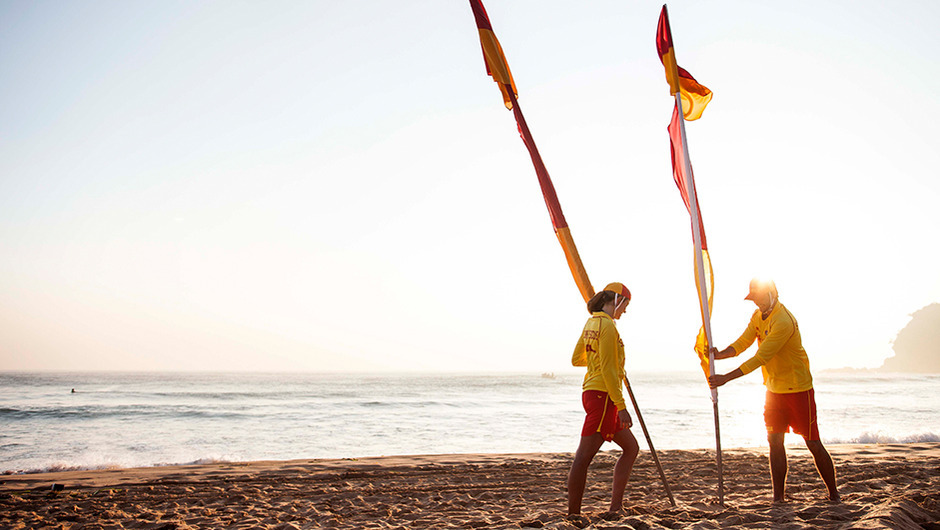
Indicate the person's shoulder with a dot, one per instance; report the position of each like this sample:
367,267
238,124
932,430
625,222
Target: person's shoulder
783,316
605,322
596,321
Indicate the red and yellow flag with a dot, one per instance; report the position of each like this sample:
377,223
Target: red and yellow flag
695,97
497,67
685,182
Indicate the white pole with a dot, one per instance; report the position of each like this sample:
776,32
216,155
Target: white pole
703,294
697,240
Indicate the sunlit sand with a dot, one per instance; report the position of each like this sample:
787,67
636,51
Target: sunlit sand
882,486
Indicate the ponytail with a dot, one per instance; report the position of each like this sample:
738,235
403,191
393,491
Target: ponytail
599,300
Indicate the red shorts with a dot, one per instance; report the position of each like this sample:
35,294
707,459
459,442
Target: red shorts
796,412
601,415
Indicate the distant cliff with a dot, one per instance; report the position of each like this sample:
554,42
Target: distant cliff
917,346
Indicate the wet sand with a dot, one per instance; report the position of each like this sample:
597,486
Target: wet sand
882,486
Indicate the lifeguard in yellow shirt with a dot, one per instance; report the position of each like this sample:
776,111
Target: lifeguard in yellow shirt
600,349
790,402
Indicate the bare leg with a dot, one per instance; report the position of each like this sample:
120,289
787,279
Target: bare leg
825,467
579,468
625,439
778,465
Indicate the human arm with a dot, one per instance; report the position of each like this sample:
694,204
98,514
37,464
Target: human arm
610,364
781,329
717,380
625,418
726,353
743,342
579,356
748,336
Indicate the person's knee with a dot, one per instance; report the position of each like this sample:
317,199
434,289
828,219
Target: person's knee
627,443
632,449
581,461
775,440
815,447
580,464
630,453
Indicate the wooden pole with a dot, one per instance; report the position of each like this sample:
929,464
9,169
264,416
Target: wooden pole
721,481
649,441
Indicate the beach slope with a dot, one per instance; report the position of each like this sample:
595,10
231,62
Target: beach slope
882,486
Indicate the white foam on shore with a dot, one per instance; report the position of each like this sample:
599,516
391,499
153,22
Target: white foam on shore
880,437
863,439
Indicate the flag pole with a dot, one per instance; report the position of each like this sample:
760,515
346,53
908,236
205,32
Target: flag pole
649,441
703,296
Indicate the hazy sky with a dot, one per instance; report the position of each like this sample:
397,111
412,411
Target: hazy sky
337,185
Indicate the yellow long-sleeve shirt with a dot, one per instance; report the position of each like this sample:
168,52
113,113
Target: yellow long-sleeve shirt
780,352
601,350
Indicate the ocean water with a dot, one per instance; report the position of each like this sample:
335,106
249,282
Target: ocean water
151,419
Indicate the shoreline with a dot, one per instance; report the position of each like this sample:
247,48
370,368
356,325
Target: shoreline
154,470
882,485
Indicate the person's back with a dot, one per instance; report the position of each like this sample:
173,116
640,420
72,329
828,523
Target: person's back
600,350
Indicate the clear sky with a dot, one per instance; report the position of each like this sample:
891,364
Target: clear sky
337,186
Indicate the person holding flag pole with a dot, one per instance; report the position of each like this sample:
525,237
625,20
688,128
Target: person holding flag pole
790,402
691,98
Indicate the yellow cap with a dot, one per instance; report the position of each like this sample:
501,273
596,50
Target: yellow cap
618,288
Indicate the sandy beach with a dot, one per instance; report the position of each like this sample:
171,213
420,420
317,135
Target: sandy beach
882,486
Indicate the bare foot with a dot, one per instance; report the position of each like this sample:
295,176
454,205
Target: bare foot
578,520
